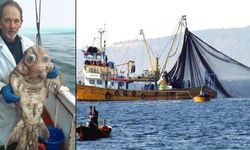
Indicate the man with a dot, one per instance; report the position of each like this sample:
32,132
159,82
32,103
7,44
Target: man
162,82
12,47
95,116
92,117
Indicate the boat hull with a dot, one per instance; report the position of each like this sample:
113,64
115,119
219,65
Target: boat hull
89,93
87,133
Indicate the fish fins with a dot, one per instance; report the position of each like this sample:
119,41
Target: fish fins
44,132
15,134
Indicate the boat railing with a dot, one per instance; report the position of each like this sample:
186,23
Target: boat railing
61,107
101,70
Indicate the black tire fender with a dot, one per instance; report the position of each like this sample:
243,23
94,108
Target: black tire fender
116,92
133,93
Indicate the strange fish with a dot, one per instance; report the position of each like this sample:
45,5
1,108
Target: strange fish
29,81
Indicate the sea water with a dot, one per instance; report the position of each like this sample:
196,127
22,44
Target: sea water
61,45
217,124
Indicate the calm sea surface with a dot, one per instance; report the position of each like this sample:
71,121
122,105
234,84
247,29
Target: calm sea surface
61,46
217,124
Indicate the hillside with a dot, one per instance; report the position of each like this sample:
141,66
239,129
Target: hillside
233,42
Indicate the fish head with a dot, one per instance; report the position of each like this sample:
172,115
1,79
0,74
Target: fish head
36,62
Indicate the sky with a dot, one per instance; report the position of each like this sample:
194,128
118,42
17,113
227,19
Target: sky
124,18
54,13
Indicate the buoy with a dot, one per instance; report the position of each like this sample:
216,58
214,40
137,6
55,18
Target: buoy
200,99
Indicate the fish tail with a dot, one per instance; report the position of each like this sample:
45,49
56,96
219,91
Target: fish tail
29,139
22,145
15,134
44,132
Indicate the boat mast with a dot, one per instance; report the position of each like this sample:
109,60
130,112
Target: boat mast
129,64
147,48
102,31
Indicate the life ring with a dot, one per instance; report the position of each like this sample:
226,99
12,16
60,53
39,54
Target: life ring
87,62
125,93
98,63
107,95
92,62
133,93
142,95
116,92
104,63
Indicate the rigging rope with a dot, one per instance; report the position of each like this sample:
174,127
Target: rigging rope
157,27
38,17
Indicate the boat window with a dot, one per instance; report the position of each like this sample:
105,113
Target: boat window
99,82
91,81
99,57
88,56
120,83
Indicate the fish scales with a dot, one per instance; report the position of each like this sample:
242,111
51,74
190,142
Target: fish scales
29,81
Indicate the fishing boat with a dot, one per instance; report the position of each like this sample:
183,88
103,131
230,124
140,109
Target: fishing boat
59,110
85,133
202,97
101,81
91,131
106,94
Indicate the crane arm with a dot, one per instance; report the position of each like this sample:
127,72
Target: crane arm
147,48
173,39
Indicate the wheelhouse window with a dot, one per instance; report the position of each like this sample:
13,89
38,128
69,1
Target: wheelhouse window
91,81
99,82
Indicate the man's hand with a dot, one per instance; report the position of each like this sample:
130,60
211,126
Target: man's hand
53,73
8,95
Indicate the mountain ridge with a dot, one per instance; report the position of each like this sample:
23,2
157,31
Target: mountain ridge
233,42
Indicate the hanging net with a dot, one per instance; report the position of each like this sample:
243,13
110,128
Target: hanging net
200,64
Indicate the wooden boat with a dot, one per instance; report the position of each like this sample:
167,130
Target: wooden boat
90,93
87,133
92,131
101,81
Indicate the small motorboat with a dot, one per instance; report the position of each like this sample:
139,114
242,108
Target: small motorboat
201,98
86,133
91,131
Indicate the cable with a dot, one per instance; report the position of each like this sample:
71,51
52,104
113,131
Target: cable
38,18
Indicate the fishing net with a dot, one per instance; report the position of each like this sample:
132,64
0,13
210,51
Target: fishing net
200,64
